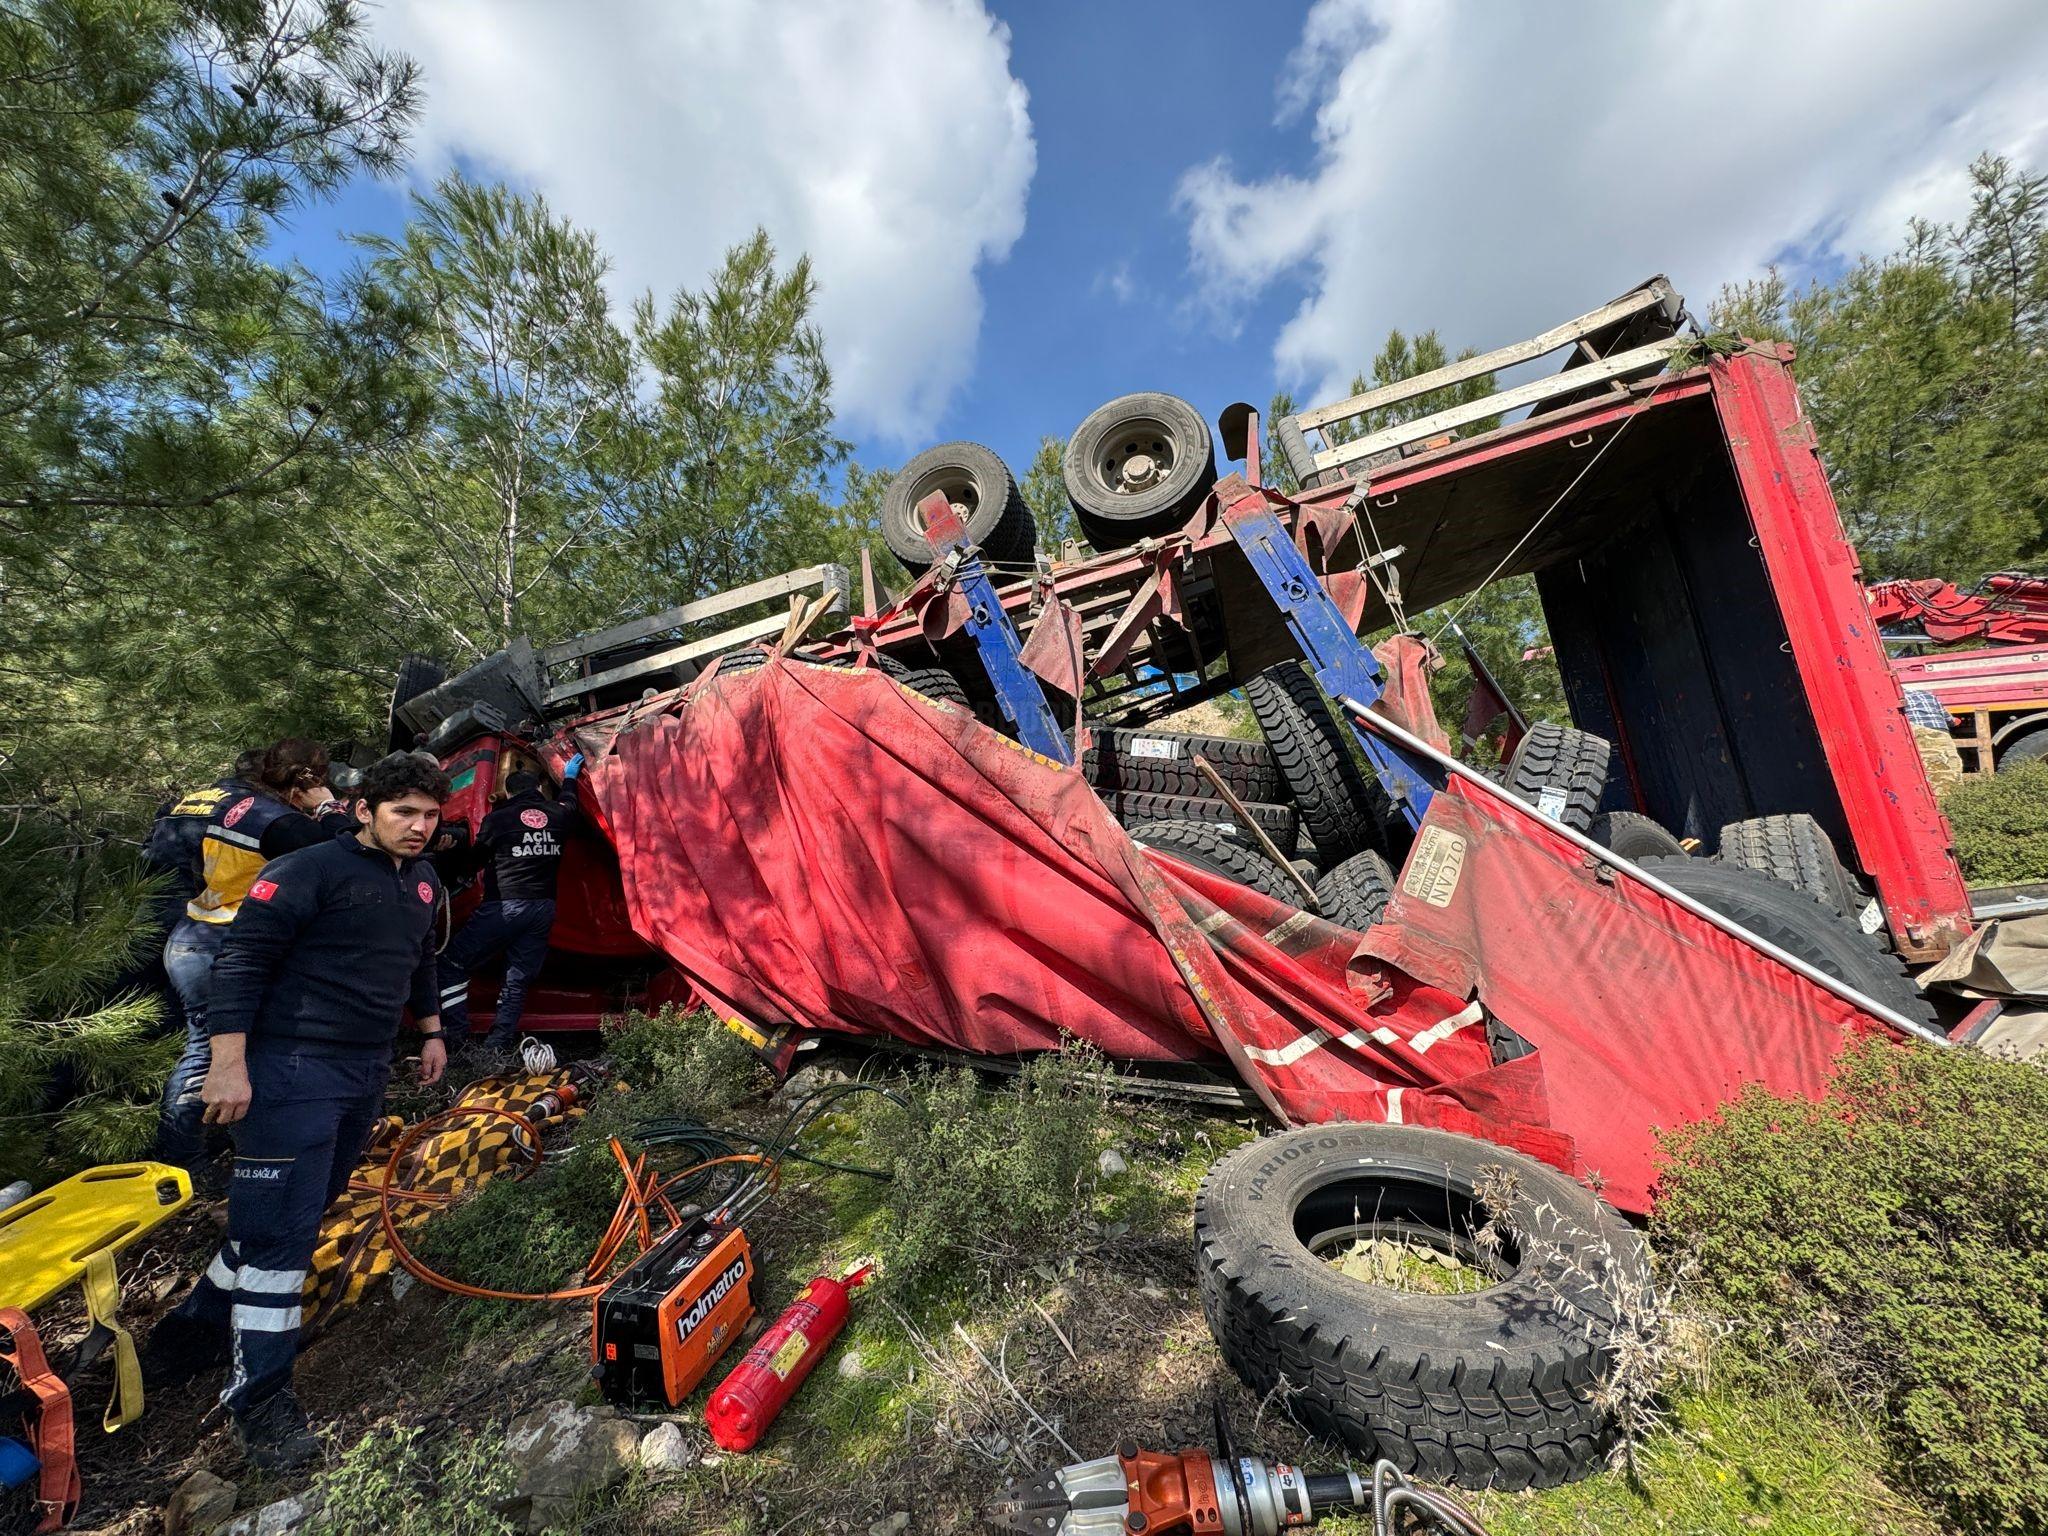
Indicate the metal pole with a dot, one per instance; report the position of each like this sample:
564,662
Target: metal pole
1613,860
1216,783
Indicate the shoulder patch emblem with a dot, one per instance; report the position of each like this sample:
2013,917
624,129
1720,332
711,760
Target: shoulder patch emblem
426,891
263,890
535,819
237,811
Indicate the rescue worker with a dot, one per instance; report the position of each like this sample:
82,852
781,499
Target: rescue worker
333,943
521,845
285,805
172,853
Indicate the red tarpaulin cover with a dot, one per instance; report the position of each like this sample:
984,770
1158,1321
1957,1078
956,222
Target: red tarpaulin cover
825,847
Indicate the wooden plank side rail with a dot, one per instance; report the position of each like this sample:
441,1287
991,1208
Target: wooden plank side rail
832,582
1648,314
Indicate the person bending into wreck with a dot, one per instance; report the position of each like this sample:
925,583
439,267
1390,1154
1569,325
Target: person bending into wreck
332,944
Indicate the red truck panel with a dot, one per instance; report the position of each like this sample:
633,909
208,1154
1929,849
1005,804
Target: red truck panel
1901,839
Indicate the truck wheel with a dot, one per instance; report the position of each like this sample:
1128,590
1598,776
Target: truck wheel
935,683
1163,763
1207,846
1138,466
2027,747
1799,924
1455,1359
982,490
1795,850
416,675
1355,893
1342,807
1134,809
1562,772
1635,836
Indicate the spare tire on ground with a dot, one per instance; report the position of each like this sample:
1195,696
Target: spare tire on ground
1801,925
1349,1267
1342,805
1795,850
1209,847
1138,467
981,489
1163,763
1635,836
1562,772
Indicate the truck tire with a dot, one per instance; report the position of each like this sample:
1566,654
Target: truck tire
935,683
1163,763
1799,924
1562,772
978,483
416,675
1635,836
1342,807
1279,822
1207,846
1493,1388
1138,467
1795,850
1355,893
2027,747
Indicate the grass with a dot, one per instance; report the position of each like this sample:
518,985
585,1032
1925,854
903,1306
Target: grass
1731,1463
1095,1325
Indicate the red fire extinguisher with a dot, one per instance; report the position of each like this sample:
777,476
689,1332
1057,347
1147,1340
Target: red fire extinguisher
747,1401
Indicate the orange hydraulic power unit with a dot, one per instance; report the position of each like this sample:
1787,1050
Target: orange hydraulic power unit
657,1330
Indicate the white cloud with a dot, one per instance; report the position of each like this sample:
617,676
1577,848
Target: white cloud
1490,169
887,139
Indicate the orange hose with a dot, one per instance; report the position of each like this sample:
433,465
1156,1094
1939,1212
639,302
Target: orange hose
629,1219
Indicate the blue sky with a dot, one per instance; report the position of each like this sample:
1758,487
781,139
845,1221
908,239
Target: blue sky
1018,214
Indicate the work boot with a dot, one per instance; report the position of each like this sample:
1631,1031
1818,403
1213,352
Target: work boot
179,1348
274,1435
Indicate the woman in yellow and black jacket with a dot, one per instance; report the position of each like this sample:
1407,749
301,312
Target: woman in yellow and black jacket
283,806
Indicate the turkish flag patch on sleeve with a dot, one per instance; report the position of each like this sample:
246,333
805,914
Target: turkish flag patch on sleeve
263,890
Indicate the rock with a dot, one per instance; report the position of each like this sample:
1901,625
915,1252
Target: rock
806,1080
1111,1162
201,1502
282,1518
891,1525
663,1449
565,1453
851,1367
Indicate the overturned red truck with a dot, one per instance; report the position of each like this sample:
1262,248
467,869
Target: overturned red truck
1726,680
958,819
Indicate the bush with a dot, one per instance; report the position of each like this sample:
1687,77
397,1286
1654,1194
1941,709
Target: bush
1891,1243
391,1483
2000,823
986,1180
690,1060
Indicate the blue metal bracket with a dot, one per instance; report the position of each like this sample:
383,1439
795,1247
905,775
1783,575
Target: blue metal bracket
1342,663
1018,691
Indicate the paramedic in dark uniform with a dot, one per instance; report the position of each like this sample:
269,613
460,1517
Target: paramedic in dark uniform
285,805
333,943
521,844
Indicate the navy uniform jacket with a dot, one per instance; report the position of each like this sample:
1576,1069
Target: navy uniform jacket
333,943
524,839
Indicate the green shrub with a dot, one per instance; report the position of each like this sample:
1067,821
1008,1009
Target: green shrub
392,1483
691,1060
988,1179
2000,823
1890,1246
